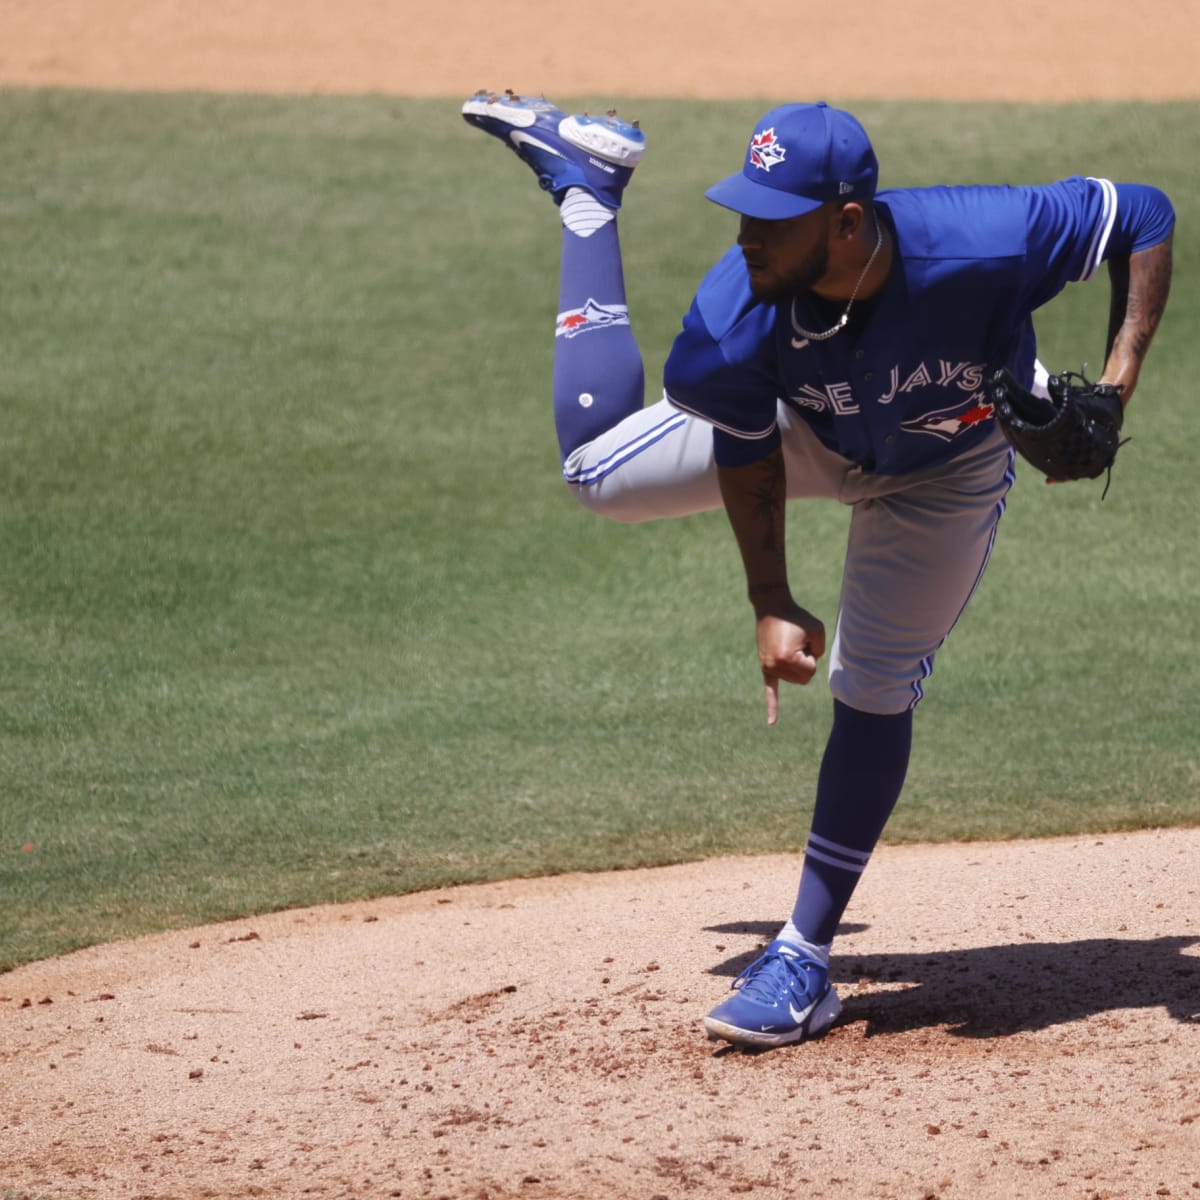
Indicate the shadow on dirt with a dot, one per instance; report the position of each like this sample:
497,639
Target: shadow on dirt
995,991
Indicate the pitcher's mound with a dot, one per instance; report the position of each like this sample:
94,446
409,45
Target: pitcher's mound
1020,1019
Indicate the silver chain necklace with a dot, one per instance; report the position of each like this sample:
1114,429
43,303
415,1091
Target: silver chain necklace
841,324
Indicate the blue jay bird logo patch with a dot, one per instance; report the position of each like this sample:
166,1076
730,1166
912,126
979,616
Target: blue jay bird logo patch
592,315
948,423
765,150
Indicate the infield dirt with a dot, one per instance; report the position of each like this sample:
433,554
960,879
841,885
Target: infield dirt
1021,1019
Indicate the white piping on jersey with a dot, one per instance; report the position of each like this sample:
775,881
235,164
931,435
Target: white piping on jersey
625,452
1103,230
737,433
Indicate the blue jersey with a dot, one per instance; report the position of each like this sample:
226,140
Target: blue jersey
905,389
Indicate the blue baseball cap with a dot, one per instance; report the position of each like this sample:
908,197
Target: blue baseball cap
799,157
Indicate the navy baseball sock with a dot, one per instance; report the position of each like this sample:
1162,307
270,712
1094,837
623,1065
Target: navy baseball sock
598,376
862,772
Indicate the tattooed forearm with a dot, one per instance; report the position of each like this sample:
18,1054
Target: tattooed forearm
1140,284
768,496
1148,301
755,500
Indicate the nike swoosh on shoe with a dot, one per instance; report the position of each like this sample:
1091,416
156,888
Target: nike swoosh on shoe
524,139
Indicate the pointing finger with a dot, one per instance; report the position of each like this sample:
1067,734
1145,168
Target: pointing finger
771,686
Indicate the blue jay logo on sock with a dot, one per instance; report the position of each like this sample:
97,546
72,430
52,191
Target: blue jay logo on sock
591,316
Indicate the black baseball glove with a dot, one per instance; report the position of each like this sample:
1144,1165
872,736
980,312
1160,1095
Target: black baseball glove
1074,433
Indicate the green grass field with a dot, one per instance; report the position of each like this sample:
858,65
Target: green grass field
294,605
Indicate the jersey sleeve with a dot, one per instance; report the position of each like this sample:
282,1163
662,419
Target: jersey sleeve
1145,217
721,367
1077,223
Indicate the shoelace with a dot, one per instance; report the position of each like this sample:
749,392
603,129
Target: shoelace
756,980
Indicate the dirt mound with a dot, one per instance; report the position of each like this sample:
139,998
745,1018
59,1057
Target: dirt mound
1020,1019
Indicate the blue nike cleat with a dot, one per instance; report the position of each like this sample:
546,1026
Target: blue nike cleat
783,996
594,153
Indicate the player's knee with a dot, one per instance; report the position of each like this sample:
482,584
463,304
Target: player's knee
870,693
615,505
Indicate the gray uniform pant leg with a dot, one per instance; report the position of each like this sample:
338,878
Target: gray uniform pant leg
916,551
658,463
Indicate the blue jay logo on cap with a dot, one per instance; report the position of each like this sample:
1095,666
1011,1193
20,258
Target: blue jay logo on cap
799,157
765,150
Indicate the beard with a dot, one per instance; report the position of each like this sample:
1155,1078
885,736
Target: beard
769,287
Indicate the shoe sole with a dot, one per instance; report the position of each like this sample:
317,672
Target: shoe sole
818,1021
604,138
601,136
493,107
